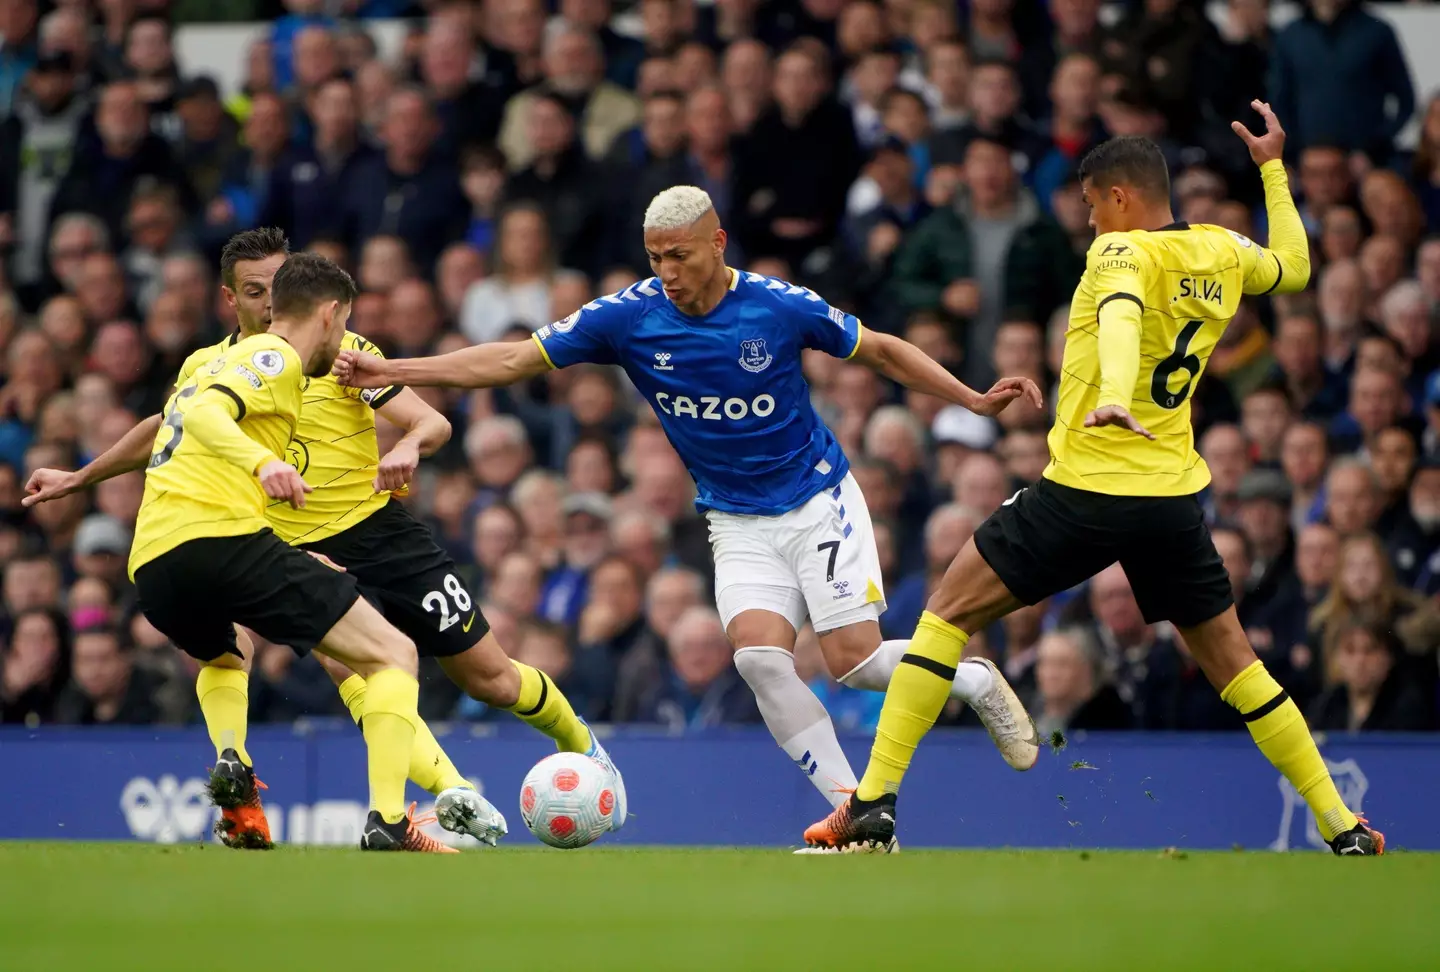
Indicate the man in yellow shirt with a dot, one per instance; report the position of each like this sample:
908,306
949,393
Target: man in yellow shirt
205,559
350,519
1122,481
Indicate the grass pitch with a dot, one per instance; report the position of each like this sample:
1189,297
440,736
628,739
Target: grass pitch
206,909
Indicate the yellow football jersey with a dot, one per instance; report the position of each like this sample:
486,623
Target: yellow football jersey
1188,281
191,492
335,450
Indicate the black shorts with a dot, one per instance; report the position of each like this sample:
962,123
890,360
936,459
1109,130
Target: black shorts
404,573
1051,537
196,592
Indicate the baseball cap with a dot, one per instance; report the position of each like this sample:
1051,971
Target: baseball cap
595,504
960,426
1265,484
100,534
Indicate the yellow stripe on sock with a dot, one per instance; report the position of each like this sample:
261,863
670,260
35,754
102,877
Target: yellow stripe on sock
543,706
913,702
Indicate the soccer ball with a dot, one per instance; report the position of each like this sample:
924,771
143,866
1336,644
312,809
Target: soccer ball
567,799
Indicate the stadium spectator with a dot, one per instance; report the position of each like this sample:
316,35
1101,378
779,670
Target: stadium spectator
1370,692
34,667
310,188
411,191
18,49
574,72
1365,590
1070,688
1225,451
37,143
105,686
1338,71
700,686
795,165
1265,499
518,290
1415,543
562,181
102,176
469,111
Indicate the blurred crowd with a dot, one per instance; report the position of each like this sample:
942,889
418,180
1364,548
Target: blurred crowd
912,160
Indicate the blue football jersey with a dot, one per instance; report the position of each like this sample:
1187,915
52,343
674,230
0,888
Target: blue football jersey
728,387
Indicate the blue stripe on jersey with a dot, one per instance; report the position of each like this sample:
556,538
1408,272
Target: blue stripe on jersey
728,387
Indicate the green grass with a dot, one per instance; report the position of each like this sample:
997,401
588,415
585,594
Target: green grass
205,909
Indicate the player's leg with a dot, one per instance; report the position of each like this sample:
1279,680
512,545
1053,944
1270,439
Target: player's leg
168,588
1182,579
430,766
376,651
1027,550
839,569
760,603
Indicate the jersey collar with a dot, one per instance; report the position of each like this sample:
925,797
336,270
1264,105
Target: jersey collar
1179,224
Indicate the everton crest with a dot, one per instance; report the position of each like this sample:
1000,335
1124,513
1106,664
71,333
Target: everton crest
754,358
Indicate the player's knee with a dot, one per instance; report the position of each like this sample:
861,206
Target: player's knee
846,647
758,665
754,629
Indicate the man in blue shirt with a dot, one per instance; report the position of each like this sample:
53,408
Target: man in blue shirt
717,352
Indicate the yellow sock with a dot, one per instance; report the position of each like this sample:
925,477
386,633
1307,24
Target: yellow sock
1279,730
225,702
544,707
430,766
390,717
917,693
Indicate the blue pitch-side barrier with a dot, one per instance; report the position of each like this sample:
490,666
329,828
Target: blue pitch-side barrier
735,787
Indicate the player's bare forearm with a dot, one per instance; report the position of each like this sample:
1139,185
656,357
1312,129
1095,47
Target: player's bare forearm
426,430
1119,350
1288,240
483,366
900,361
132,452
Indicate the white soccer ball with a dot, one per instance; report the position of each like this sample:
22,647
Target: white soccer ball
567,799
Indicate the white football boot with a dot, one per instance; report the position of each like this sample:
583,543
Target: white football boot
461,810
1010,726
622,804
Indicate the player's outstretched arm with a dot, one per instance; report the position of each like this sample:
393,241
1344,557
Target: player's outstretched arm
1289,244
483,366
130,453
899,360
425,431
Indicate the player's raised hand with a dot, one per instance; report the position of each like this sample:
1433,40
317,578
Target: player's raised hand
359,369
280,481
397,468
1267,147
49,484
1115,415
1005,391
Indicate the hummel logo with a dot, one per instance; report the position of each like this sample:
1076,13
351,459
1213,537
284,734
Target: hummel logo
662,361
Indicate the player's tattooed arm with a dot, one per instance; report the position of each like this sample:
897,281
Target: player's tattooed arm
483,366
901,361
425,431
130,453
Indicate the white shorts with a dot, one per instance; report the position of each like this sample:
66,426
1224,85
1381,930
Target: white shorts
818,561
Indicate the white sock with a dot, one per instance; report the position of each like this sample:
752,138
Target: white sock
874,673
797,720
